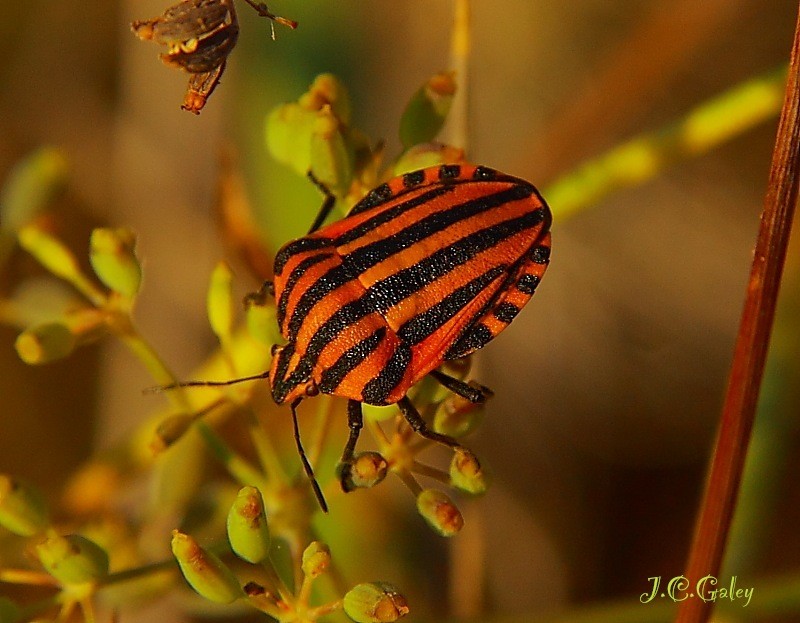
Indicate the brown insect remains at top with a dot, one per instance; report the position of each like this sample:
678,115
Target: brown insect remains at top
199,35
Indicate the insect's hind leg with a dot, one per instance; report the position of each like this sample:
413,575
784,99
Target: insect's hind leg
327,204
473,391
355,422
420,427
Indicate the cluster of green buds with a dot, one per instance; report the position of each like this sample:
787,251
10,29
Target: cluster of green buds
397,454
250,541
316,134
73,564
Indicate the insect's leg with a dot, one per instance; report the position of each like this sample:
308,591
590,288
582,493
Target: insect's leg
355,421
473,392
327,204
267,289
416,422
263,11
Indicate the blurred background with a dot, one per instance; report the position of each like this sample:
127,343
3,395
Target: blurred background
608,386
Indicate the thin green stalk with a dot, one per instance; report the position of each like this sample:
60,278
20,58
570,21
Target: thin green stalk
240,469
460,45
156,366
325,411
265,450
640,159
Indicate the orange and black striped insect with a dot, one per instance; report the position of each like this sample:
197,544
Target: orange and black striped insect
427,267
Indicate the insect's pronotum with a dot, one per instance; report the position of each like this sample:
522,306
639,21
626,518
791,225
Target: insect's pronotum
427,267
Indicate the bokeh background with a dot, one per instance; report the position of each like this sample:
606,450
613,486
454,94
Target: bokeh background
608,386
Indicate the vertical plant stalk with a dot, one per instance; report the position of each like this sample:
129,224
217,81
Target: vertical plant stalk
750,352
460,44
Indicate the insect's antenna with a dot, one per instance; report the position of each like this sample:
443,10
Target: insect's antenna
306,465
161,388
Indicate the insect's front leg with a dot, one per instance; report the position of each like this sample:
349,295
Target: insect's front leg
259,297
327,204
355,422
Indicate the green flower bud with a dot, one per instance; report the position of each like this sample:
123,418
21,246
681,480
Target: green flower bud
170,430
375,602
309,134
261,323
9,611
366,470
206,573
73,559
427,155
288,132
316,559
440,512
113,258
456,416
45,343
467,474
248,532
220,301
22,507
31,186
427,110
50,253
331,156
327,90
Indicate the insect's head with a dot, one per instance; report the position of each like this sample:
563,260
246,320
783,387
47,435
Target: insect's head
290,375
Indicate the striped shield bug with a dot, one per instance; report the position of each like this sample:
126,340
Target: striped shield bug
428,267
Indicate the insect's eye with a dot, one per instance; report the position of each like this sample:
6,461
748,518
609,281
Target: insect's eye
311,389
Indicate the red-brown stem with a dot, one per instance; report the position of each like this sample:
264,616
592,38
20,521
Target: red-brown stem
738,412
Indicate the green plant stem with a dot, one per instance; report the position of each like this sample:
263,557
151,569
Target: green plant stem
265,451
640,159
85,286
156,366
460,45
87,607
430,472
241,470
25,576
277,583
325,410
410,482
